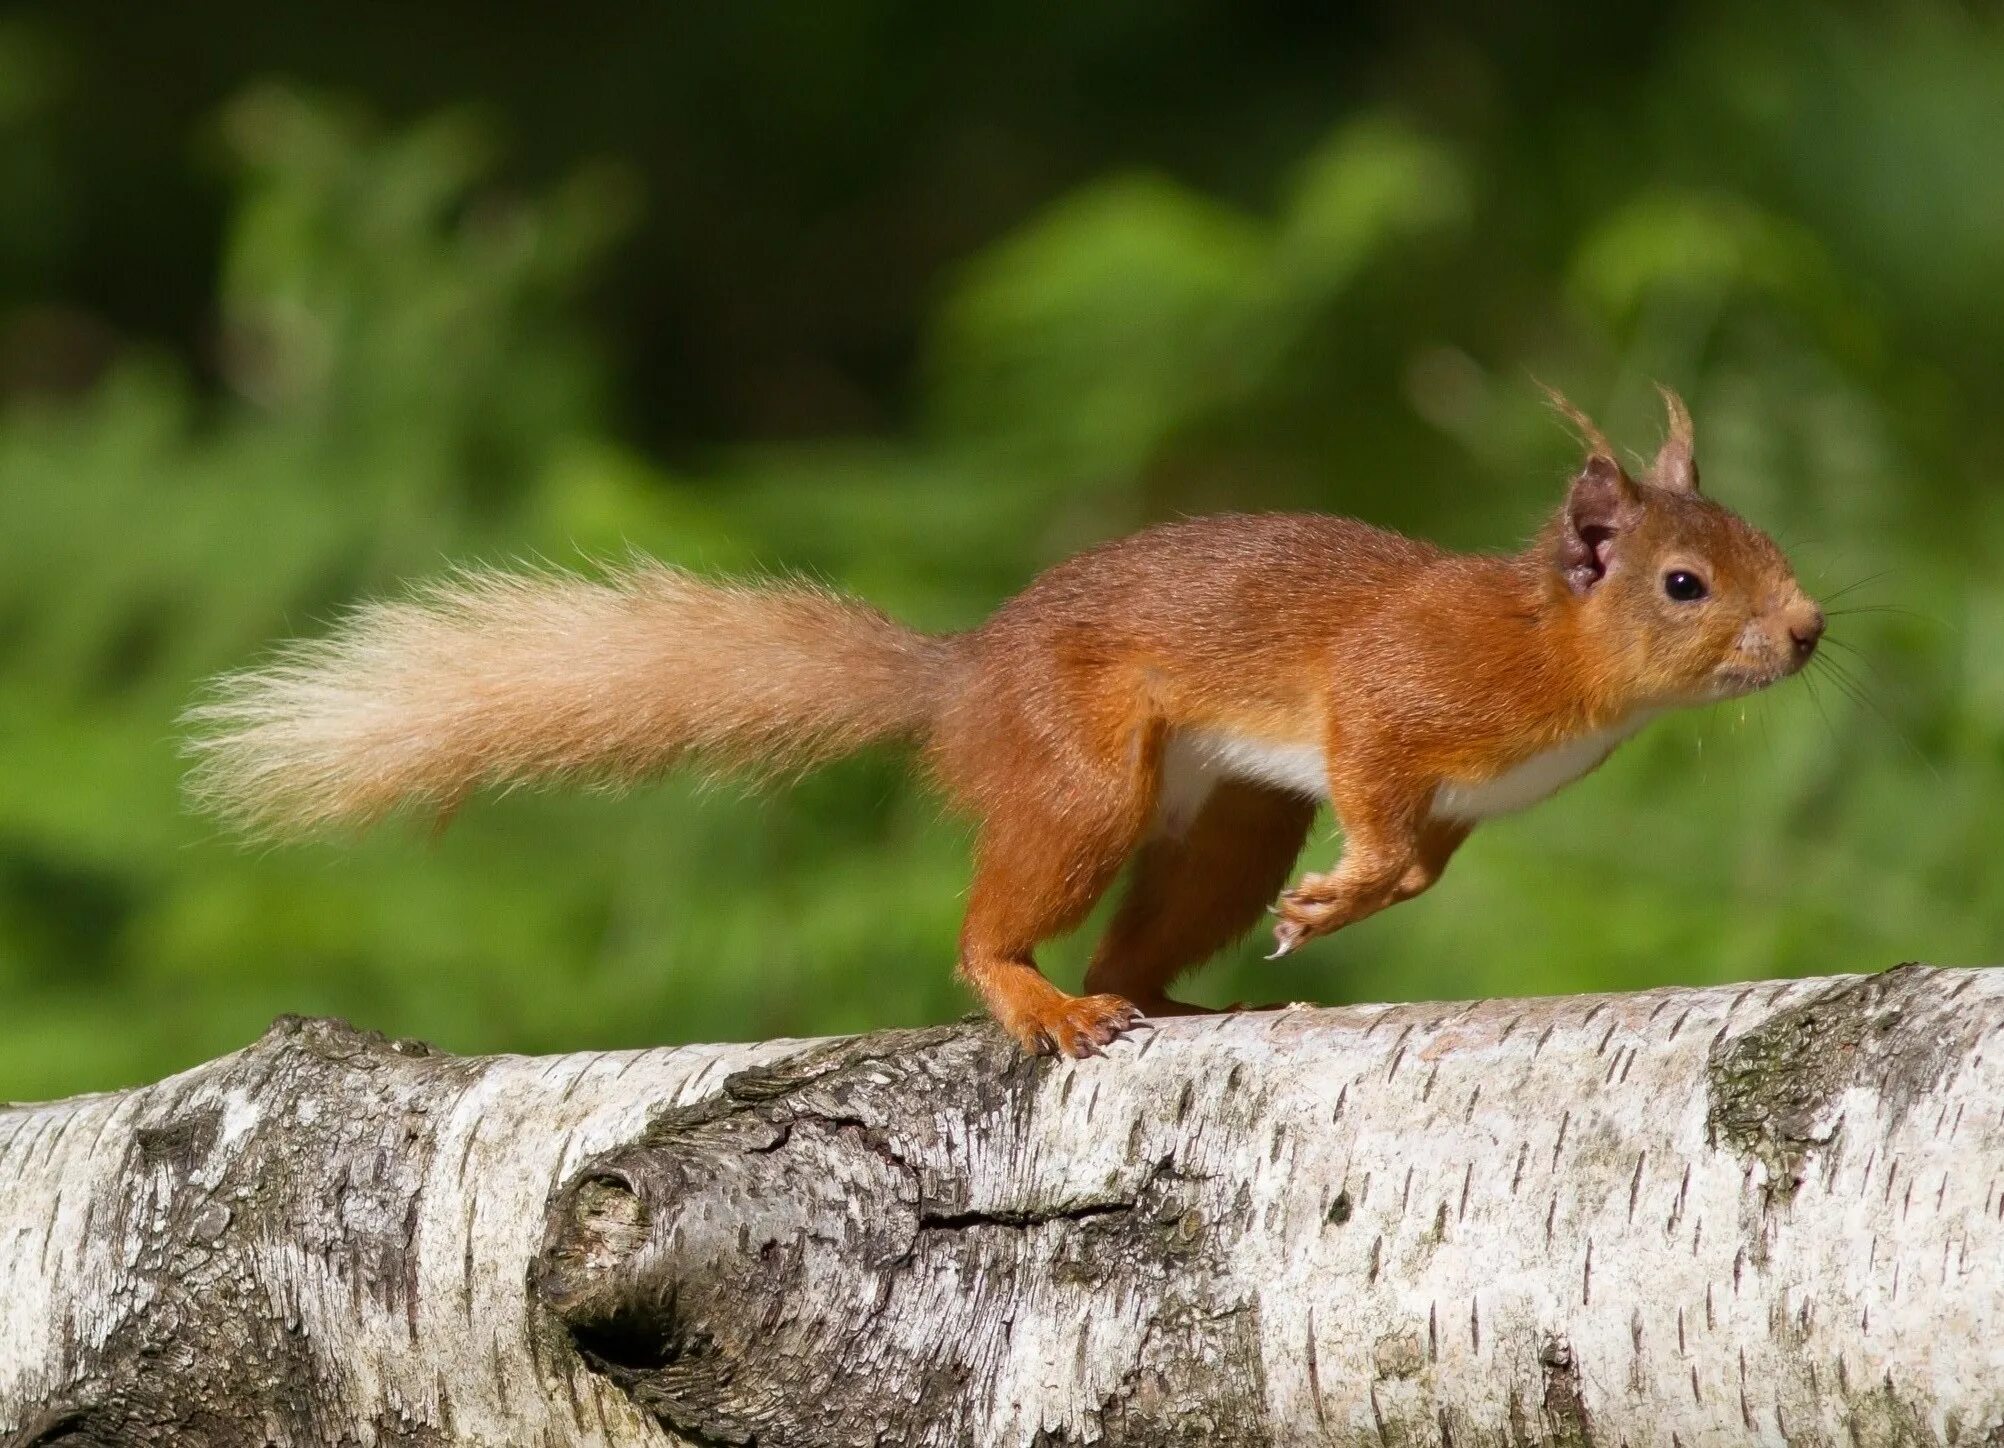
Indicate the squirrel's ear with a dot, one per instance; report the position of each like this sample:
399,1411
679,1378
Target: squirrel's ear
1601,505
1675,467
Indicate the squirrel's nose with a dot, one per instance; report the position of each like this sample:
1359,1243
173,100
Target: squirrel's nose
1807,632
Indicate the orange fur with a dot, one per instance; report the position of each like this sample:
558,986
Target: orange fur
1160,698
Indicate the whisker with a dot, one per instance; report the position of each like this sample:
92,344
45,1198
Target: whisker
1844,684
1861,608
1809,684
1853,689
1854,587
1858,655
1841,672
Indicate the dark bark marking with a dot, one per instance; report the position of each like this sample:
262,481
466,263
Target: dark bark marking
1020,1219
1567,1424
1772,1087
1315,1375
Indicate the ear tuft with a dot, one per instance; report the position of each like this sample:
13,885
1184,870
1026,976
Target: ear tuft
1600,506
1582,425
1676,465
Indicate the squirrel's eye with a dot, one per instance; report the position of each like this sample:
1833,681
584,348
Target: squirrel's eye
1684,586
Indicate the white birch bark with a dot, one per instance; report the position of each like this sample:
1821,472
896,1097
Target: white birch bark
1762,1214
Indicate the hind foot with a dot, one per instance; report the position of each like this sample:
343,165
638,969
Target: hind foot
1074,1026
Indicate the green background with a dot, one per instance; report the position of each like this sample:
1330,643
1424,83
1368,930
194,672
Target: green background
919,299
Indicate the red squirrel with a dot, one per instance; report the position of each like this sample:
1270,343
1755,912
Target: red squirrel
1181,698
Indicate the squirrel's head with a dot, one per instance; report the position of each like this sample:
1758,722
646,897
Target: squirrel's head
1692,602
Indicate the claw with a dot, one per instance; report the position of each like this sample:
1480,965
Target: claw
1078,1028
1287,938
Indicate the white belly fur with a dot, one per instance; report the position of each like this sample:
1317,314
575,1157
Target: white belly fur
1196,759
1537,778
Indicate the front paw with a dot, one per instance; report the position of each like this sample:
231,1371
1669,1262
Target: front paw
1303,915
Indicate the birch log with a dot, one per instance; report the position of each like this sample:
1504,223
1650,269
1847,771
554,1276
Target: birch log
1761,1214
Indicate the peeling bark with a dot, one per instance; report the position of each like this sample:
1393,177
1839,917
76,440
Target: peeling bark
1761,1214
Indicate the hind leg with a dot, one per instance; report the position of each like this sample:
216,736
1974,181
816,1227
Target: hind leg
1194,893
1032,883
1044,858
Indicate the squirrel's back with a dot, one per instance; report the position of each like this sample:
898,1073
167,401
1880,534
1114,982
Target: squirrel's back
1234,601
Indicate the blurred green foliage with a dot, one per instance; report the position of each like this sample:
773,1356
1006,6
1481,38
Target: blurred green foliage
411,356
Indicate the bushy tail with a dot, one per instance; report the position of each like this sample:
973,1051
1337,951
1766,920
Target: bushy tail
491,678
